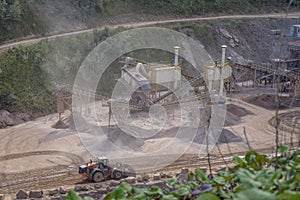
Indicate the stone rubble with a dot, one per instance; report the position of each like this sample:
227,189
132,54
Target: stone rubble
36,194
99,190
21,194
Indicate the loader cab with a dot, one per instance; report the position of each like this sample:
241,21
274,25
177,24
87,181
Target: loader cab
103,160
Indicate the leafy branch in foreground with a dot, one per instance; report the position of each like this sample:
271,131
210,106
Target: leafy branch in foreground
254,176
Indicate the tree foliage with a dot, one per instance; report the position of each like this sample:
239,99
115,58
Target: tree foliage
20,18
24,85
205,7
10,11
28,74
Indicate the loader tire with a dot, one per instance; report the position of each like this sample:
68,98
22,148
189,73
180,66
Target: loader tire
117,175
98,177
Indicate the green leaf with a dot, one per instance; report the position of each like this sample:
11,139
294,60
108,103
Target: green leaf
201,176
208,196
224,194
254,193
262,174
275,176
219,180
288,196
193,184
183,190
138,194
248,157
125,186
191,176
141,196
247,178
284,184
72,196
226,176
154,191
283,161
171,182
169,197
297,176
118,193
136,191
261,159
283,148
238,160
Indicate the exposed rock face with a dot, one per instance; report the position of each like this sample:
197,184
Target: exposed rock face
11,119
225,33
6,119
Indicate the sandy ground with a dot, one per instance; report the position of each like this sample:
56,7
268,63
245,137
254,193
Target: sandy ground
35,155
33,151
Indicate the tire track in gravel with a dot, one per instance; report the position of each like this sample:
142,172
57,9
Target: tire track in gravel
41,178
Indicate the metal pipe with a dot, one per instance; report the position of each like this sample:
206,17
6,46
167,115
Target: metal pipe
141,69
221,70
210,77
176,48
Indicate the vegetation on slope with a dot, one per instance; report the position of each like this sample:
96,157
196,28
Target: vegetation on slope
24,87
66,55
203,7
28,74
19,18
254,177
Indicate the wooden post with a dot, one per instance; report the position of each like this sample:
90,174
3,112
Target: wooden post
89,104
60,104
254,79
109,117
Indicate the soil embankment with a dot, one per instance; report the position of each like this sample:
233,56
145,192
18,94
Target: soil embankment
10,119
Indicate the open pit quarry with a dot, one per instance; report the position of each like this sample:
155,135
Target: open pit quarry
42,157
44,154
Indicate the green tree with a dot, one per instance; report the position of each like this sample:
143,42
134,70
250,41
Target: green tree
24,85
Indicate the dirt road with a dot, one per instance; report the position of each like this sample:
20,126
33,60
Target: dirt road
4,47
